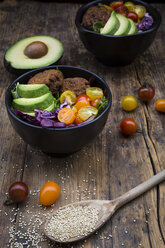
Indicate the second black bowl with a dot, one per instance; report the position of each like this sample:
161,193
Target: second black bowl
117,50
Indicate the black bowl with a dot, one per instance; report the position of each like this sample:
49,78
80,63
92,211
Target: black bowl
59,140
117,50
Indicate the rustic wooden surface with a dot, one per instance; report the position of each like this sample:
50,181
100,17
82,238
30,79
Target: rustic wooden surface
104,169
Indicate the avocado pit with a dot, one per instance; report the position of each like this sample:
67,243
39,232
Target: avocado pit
36,50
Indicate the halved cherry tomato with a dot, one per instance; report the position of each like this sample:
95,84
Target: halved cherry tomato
133,16
82,98
85,112
94,92
129,103
66,115
77,119
128,126
146,92
49,193
69,96
74,109
116,4
95,102
122,10
81,104
160,105
130,6
18,192
140,10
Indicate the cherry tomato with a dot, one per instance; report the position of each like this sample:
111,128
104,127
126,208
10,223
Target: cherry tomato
95,102
122,10
69,96
85,112
129,103
130,6
94,92
140,10
160,105
77,119
116,4
66,115
133,16
128,126
18,192
146,92
49,193
81,104
82,98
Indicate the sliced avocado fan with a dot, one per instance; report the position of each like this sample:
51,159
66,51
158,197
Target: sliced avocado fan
34,52
118,24
32,90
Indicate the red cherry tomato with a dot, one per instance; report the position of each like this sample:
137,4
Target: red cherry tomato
49,193
18,192
133,16
83,98
116,4
123,10
128,126
95,102
146,92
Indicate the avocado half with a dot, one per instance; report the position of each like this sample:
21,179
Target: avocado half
33,52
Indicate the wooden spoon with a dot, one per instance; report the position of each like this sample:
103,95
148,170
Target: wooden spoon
107,208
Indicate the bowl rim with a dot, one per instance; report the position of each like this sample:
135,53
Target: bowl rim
8,93
82,9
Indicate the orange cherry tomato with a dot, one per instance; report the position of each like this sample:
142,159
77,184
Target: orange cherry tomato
49,193
66,115
95,102
82,98
81,104
160,105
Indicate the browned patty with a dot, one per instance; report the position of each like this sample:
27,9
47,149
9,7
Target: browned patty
95,14
78,85
52,78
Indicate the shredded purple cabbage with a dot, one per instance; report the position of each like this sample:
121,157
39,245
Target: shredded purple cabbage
47,119
146,22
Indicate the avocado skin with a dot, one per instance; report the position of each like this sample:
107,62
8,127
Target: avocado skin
29,104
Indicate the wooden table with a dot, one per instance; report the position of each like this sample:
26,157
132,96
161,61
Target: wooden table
104,169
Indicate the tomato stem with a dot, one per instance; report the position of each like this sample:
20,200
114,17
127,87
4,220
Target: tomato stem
139,130
145,84
8,201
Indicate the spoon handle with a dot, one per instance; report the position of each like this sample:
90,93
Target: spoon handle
140,189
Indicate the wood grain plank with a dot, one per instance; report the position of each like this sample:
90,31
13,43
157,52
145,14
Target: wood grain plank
104,169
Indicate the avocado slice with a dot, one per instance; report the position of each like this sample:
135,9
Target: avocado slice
29,104
31,90
133,28
112,25
50,109
33,52
124,25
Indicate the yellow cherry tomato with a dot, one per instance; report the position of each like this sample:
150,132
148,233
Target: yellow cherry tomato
85,112
69,96
49,193
140,10
94,92
129,103
130,6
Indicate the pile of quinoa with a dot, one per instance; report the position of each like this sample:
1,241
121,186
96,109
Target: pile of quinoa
72,221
